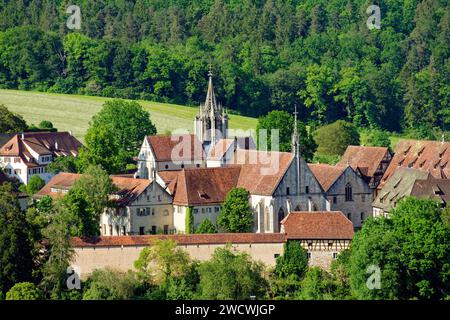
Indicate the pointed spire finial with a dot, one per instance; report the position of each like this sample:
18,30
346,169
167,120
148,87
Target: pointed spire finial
295,138
210,73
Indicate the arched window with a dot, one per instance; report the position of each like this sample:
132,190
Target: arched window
348,192
280,217
349,216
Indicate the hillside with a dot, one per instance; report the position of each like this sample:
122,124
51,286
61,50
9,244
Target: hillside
73,112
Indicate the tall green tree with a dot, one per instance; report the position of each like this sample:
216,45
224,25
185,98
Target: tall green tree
231,276
11,122
116,134
16,260
333,139
236,214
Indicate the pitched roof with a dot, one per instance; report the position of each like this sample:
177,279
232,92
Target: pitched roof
170,179
5,137
365,159
43,143
202,186
176,147
430,156
128,188
331,225
326,174
59,184
261,172
398,187
432,188
193,239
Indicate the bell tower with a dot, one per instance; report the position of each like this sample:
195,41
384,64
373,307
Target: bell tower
211,123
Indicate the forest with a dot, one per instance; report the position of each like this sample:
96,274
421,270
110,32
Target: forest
265,54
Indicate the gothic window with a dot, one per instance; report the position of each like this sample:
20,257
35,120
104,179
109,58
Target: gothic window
348,192
288,191
280,216
362,217
307,189
297,208
349,216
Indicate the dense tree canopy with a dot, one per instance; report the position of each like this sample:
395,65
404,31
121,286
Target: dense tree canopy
269,54
10,122
411,250
16,261
115,135
236,214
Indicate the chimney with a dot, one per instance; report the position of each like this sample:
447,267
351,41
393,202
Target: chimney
56,145
70,132
309,205
22,135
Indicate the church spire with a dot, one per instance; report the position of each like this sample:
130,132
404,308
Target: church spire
211,107
295,136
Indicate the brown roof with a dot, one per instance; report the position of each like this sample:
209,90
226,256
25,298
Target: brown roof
317,225
194,239
128,188
432,188
172,148
430,156
43,143
202,186
170,179
365,159
326,174
218,151
257,174
62,181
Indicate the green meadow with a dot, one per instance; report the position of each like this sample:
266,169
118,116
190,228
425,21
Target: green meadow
74,112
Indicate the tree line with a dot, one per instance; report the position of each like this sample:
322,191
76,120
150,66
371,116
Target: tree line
266,54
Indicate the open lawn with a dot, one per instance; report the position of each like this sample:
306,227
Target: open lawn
73,112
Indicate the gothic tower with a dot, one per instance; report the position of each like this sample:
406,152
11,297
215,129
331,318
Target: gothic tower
211,123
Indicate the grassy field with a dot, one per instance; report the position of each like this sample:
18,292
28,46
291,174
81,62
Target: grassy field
73,112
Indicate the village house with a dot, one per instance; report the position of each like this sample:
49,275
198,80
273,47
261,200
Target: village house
429,156
323,234
398,187
28,154
346,191
140,206
369,162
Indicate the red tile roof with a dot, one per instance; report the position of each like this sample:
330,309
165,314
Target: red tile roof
128,188
194,239
170,179
43,143
430,156
331,225
365,159
326,174
203,186
59,183
176,147
257,174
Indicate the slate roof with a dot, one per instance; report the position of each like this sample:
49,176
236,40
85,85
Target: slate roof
430,156
330,225
172,148
365,159
193,239
398,187
432,188
326,174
